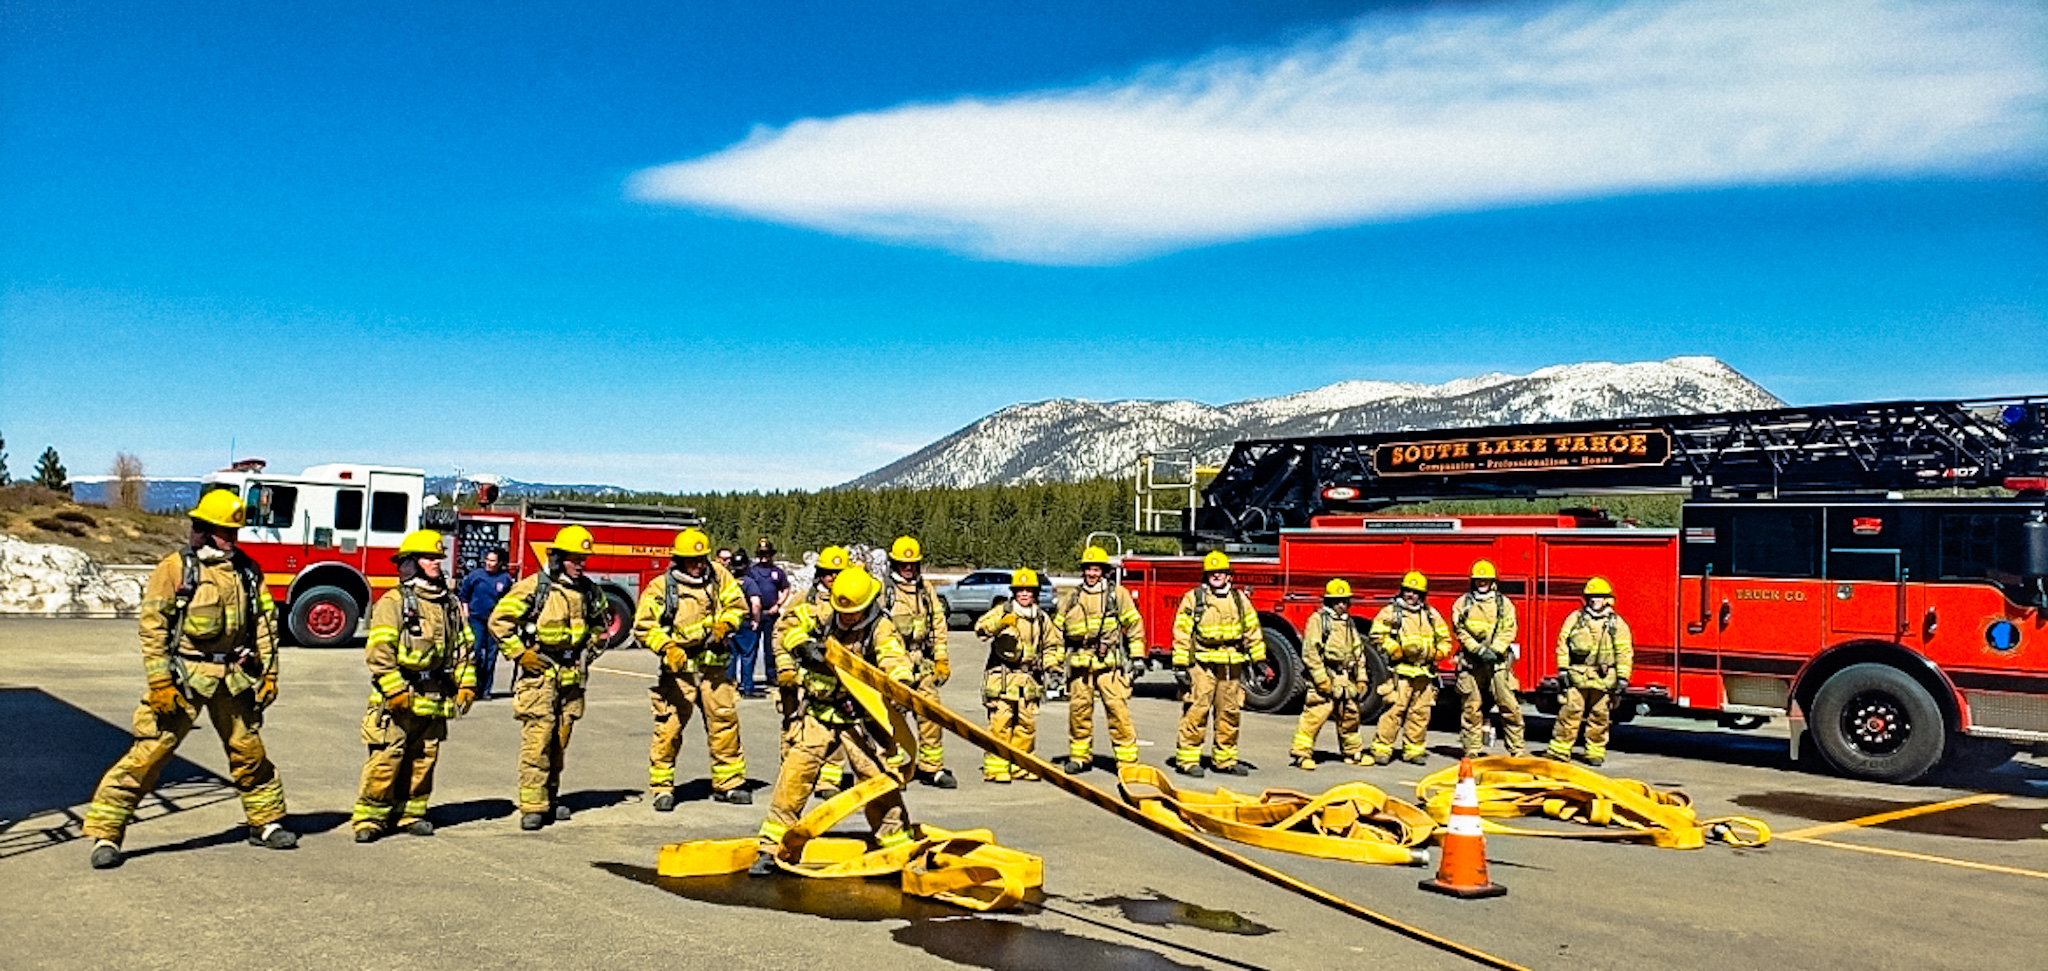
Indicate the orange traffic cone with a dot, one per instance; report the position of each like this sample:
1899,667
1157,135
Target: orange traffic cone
1462,870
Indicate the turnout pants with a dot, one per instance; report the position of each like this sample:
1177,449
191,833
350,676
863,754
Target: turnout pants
1477,684
1113,686
1591,704
400,769
1406,716
235,718
1217,688
931,749
673,697
547,714
1318,709
817,745
1012,718
789,704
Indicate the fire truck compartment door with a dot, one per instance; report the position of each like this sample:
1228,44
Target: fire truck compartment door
1865,595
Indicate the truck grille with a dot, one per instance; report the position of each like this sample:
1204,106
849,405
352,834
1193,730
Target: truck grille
2024,713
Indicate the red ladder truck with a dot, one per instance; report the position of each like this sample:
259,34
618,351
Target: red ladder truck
1874,573
324,539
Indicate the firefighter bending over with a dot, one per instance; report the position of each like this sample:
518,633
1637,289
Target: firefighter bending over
687,617
1594,656
914,607
1102,633
209,644
1215,634
1484,621
834,724
810,615
1413,637
422,672
1334,655
550,625
1022,637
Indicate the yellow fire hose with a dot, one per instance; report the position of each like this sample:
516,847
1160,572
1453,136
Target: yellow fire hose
1624,809
1354,821
859,675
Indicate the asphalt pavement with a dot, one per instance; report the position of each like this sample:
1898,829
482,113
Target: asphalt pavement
1953,874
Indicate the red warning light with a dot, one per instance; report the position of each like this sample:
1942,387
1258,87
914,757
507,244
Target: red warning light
1867,526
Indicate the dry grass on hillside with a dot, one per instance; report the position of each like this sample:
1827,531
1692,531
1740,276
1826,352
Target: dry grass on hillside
39,515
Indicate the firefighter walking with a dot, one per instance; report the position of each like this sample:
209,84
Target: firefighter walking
1413,637
550,624
422,672
1334,655
208,631
1100,633
1022,637
834,725
1215,634
687,617
914,607
1594,657
1484,622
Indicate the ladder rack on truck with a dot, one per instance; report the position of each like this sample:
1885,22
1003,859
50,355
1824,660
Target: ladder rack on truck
1876,572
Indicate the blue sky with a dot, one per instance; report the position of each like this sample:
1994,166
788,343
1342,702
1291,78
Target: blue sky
776,245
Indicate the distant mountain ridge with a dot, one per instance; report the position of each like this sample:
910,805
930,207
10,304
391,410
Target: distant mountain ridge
1067,439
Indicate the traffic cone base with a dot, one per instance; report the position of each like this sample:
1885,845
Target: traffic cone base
1461,872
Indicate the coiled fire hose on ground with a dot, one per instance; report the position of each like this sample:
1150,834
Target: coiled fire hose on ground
1353,821
1625,810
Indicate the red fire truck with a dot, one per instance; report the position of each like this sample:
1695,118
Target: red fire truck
1874,573
325,537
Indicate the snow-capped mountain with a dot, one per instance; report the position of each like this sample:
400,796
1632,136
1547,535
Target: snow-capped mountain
1067,439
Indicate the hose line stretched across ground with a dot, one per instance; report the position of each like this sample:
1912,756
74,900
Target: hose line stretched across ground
869,684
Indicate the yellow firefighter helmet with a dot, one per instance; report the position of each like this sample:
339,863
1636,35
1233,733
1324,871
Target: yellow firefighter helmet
1336,588
1024,579
1095,556
1215,562
575,541
221,507
1599,587
833,559
1414,580
419,542
906,550
1483,570
853,590
692,542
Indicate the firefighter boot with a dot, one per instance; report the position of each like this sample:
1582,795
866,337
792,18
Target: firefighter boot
764,865
1078,766
1191,771
367,833
942,779
561,812
738,797
420,827
106,855
664,801
272,836
532,821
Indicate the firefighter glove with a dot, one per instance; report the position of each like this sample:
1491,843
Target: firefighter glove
785,677
464,697
1620,686
673,658
531,662
266,691
1326,688
400,702
720,631
163,697
944,669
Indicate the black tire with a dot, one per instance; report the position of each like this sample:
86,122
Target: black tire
1873,721
324,617
1274,683
1371,704
621,630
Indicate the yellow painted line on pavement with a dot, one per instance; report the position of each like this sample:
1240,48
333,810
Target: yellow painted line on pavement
630,674
1907,813
1923,857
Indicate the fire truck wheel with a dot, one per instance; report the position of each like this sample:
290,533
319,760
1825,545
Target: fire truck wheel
1275,683
324,617
1376,673
621,629
1874,721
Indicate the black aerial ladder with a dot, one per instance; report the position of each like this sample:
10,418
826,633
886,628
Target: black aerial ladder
1877,447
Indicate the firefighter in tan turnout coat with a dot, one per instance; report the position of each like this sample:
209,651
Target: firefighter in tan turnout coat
1022,637
914,607
1215,634
1333,653
1414,637
1101,634
687,617
209,645
421,657
550,624
1484,622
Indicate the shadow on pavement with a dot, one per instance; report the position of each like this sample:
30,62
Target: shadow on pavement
55,754
304,824
473,811
943,931
1985,821
589,799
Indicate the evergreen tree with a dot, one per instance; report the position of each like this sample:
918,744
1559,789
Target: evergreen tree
50,472
3,460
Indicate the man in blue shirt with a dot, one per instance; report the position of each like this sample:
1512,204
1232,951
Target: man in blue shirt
480,591
764,586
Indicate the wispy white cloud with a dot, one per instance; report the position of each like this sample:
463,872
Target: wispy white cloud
1407,115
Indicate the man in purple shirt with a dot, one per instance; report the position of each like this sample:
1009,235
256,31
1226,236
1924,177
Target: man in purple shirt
764,585
480,591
